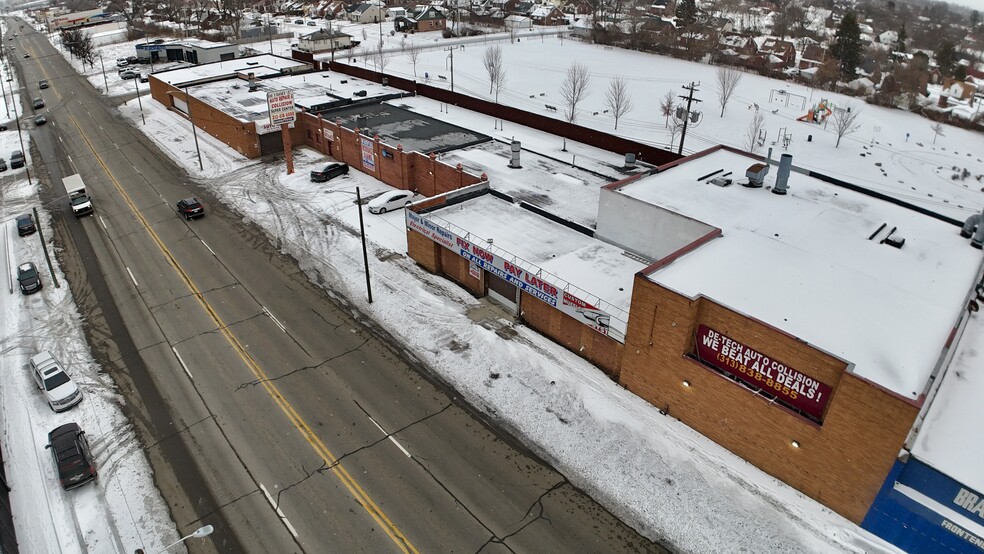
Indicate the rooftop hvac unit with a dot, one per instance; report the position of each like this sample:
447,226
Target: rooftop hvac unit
721,182
756,175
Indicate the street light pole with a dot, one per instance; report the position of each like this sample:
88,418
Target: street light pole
136,85
105,82
199,533
194,133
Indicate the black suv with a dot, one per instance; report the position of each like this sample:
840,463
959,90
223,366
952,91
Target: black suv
70,449
329,172
29,278
25,225
191,208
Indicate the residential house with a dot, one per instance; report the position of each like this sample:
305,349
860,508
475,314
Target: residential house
812,56
660,8
323,41
955,88
518,22
548,16
583,27
424,18
738,43
778,53
578,7
366,13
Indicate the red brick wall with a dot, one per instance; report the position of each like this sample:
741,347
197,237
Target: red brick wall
424,251
601,350
841,463
456,268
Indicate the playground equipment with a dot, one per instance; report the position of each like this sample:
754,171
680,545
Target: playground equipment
818,113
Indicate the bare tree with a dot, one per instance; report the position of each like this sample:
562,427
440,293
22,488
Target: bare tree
845,122
754,130
666,106
618,99
574,89
675,127
380,57
492,60
727,80
413,52
937,129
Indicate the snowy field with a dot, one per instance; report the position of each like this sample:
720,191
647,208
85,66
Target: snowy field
658,475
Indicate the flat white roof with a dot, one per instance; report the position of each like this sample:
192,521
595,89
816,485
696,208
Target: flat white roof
261,65
950,437
803,263
591,265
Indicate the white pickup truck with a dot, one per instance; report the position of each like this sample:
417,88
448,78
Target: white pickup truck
81,203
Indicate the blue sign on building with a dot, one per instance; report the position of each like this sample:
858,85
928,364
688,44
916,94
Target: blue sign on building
920,509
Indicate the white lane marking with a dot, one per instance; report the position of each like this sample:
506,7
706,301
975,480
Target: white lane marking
389,436
279,511
132,278
209,248
275,320
103,222
175,350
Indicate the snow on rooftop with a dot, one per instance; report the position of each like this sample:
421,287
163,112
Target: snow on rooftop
262,65
949,439
803,263
591,265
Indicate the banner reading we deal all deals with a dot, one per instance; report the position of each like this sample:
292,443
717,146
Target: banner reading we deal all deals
528,282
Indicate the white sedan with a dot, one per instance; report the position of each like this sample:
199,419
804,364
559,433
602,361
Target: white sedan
393,200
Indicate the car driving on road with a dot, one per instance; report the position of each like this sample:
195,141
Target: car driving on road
190,208
29,278
73,459
389,201
40,120
58,389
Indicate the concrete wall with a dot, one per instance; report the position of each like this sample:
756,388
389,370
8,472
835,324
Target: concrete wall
841,462
643,228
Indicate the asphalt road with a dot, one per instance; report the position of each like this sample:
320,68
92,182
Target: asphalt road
266,409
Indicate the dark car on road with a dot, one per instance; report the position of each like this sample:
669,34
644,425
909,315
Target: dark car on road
29,278
73,460
329,172
38,103
40,120
190,208
25,225
43,84
3,164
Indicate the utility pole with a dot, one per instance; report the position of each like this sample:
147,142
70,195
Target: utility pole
136,85
194,133
365,252
105,82
451,55
692,88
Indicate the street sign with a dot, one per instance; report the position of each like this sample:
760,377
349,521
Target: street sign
281,106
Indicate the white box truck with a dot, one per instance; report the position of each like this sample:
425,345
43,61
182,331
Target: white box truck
81,203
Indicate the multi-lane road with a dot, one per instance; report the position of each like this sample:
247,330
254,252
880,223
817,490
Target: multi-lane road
265,409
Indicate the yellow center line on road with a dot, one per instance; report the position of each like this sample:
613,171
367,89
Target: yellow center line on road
316,443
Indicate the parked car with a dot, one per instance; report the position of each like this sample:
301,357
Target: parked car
26,55
58,389
73,459
144,78
16,159
132,60
3,164
312,24
390,201
43,84
329,172
38,103
40,120
121,62
25,225
128,74
190,208
3,126
29,278
299,21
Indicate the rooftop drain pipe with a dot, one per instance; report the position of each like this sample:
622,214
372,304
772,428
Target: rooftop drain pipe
782,176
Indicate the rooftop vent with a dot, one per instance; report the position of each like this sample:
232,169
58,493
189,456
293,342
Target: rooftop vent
974,227
756,175
630,159
721,181
515,148
892,239
782,176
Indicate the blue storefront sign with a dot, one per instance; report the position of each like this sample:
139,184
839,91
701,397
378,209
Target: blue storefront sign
920,509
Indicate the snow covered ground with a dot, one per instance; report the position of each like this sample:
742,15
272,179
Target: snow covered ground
658,475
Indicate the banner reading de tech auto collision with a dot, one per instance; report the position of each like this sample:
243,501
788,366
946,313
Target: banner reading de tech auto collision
758,370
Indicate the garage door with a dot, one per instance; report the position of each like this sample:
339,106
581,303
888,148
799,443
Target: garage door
502,292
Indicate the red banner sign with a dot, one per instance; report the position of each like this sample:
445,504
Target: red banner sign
758,370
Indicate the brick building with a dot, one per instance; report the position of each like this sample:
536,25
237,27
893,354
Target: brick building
802,331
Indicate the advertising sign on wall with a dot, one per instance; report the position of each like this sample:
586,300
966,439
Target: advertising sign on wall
280,103
760,371
368,158
529,282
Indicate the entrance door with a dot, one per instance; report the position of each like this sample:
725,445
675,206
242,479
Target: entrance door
502,292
